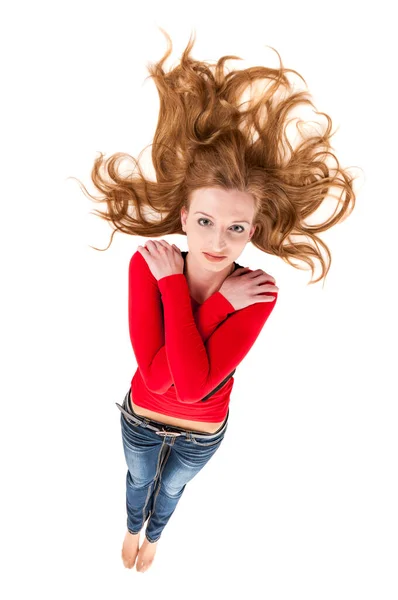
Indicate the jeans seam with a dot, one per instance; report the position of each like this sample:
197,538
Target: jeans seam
154,479
149,539
157,491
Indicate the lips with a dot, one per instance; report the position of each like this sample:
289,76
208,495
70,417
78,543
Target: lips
214,255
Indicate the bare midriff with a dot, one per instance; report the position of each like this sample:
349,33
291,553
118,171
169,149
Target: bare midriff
200,426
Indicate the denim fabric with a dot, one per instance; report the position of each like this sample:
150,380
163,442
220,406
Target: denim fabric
159,465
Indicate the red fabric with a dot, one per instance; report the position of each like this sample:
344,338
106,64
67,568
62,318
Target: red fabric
179,341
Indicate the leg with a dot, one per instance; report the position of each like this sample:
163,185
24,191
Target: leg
184,460
143,454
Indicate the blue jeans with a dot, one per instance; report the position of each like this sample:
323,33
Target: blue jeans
160,463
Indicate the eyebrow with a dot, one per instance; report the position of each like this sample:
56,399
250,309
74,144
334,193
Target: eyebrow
203,213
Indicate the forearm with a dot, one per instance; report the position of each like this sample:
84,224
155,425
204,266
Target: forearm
185,349
146,323
208,317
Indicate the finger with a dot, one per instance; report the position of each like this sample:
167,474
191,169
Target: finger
163,244
269,277
146,246
153,245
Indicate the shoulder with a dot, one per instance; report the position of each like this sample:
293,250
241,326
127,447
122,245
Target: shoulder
256,314
238,266
137,260
138,267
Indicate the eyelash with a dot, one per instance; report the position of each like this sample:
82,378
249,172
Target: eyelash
203,219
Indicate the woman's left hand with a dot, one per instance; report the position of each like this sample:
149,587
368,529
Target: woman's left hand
162,259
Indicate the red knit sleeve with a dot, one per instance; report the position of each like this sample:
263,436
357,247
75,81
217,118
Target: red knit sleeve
198,367
146,323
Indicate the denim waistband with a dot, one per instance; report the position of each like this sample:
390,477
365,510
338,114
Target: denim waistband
164,428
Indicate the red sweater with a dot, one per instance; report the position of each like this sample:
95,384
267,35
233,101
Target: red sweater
178,341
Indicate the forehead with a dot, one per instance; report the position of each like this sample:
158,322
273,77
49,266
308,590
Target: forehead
223,204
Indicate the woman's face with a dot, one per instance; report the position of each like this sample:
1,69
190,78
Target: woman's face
218,222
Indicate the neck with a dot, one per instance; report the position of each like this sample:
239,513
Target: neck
204,282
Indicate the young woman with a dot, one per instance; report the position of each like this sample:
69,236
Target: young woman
225,175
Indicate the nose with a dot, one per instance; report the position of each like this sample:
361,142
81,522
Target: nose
218,245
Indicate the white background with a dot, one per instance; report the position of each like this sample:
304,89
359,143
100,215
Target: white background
300,500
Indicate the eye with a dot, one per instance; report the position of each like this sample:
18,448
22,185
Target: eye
208,220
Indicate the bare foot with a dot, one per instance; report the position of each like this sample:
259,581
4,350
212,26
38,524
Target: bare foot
146,555
130,549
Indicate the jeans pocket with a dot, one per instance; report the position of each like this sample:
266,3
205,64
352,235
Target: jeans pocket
135,437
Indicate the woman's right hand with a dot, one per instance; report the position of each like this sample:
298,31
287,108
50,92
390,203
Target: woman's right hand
245,287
